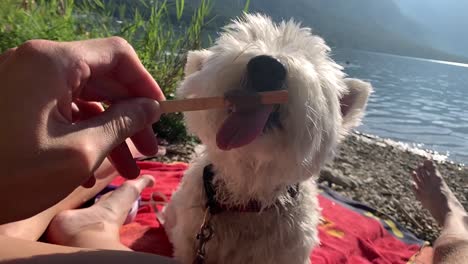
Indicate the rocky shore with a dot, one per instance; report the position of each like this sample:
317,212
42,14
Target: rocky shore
376,172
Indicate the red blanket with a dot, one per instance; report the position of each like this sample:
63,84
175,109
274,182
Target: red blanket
349,234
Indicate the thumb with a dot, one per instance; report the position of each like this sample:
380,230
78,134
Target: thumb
107,132
122,120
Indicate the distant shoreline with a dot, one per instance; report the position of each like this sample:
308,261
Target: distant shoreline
463,62
410,147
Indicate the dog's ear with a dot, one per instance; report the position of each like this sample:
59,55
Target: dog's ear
354,101
195,60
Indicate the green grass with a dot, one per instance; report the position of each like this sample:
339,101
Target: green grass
160,38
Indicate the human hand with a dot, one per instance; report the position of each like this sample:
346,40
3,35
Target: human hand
52,129
77,228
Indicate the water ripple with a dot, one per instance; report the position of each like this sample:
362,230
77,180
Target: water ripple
415,100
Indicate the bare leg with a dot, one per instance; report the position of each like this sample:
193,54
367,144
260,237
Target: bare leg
431,189
15,238
27,252
33,227
80,231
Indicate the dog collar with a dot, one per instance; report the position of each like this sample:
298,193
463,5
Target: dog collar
214,207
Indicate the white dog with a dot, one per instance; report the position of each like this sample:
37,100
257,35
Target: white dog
253,188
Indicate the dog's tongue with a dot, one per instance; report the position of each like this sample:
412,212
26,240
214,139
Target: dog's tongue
242,127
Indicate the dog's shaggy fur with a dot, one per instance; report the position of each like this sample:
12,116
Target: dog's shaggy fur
322,107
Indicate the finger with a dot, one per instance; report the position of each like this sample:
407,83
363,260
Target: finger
75,111
104,88
144,181
145,141
85,110
429,166
108,131
123,161
124,196
114,58
4,56
121,157
428,163
89,183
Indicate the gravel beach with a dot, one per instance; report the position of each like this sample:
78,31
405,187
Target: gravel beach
376,172
379,175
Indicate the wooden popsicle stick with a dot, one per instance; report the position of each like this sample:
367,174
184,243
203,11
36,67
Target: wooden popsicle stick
196,104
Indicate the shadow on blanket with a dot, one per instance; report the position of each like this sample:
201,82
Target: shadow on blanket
350,231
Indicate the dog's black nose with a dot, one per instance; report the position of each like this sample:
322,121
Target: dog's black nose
265,73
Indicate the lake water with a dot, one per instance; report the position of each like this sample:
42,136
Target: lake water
415,101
